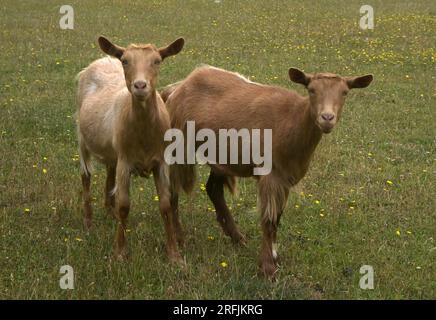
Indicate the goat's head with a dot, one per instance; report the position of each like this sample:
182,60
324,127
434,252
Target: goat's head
140,63
327,94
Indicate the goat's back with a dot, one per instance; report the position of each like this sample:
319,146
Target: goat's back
101,96
102,75
216,98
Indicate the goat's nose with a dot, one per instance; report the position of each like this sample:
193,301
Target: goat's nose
328,116
140,84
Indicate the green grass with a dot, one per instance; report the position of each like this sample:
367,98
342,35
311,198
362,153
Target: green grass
387,133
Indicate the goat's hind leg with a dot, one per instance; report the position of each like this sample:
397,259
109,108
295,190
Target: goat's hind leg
109,192
87,208
86,185
215,191
273,194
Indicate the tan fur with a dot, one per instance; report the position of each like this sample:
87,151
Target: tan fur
216,99
121,123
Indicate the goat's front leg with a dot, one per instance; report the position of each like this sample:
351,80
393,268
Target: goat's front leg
273,194
176,219
122,207
109,200
161,180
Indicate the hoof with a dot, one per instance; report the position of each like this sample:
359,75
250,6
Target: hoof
177,259
87,223
239,239
181,240
269,271
110,211
121,255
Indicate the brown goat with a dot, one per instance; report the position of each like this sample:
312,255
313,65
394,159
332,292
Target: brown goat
215,99
121,122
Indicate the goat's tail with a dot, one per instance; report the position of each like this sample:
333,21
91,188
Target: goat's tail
80,89
85,158
168,90
182,177
232,184
84,154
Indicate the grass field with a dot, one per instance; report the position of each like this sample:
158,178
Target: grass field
368,198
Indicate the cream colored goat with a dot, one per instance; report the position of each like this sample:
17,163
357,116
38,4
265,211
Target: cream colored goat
121,122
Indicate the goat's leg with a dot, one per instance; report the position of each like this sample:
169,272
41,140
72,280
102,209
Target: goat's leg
273,194
87,209
109,201
122,207
274,239
215,191
85,158
161,180
176,219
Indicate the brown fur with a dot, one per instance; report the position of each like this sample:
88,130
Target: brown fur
121,122
216,99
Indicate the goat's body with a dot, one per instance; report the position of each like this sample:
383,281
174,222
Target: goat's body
109,124
101,96
217,99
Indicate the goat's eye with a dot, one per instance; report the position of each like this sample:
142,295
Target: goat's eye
124,62
344,93
311,91
157,62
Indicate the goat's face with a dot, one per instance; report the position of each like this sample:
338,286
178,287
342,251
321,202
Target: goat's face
327,93
141,67
141,64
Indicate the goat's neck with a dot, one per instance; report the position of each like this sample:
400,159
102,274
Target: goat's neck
145,112
308,134
303,139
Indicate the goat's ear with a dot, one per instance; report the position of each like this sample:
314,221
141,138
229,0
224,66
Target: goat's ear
359,82
172,49
110,48
299,76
